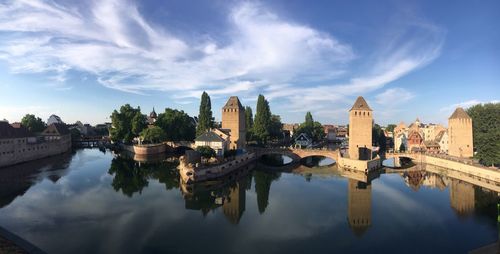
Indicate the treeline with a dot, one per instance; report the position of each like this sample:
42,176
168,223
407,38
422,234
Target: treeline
486,132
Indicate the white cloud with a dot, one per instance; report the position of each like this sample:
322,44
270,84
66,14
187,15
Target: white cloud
393,96
465,104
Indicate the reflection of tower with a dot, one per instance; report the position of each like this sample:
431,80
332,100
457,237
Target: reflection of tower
359,206
233,119
462,197
360,130
234,205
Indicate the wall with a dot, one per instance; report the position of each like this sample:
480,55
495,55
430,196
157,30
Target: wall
482,172
18,150
146,149
359,165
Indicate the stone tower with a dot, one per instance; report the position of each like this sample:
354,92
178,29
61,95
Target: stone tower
460,134
233,119
359,206
360,130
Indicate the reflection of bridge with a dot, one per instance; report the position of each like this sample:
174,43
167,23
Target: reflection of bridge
297,154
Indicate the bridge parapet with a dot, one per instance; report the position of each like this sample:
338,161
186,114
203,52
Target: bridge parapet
297,154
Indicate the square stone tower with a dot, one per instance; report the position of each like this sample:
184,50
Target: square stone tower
360,130
460,134
233,119
359,206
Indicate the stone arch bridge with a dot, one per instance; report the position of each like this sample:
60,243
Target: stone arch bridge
297,154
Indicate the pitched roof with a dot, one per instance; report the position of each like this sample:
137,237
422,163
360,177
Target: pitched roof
209,136
440,135
459,114
360,104
233,102
56,128
431,143
7,131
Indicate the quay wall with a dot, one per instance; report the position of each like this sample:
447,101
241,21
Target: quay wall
18,150
482,172
191,173
359,165
146,149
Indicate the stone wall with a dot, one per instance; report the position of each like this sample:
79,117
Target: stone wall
18,150
146,149
482,172
359,165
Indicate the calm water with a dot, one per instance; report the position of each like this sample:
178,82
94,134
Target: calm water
91,202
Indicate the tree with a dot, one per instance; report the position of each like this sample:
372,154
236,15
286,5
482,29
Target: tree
33,123
153,134
127,123
378,137
205,118
75,134
390,127
486,132
275,127
311,128
177,125
402,148
206,151
249,123
262,120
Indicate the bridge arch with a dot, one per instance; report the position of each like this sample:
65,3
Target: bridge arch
298,154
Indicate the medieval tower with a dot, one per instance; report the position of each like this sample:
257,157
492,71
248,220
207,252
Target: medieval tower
360,130
460,134
233,119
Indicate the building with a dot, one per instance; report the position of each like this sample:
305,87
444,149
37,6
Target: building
400,139
54,119
431,146
330,132
216,141
342,131
18,145
359,206
442,139
460,134
233,119
414,141
360,130
302,140
400,129
151,119
290,127
430,131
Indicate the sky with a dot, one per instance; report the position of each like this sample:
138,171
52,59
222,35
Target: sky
408,59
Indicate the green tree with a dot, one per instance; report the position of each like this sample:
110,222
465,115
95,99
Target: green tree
402,148
177,125
275,127
127,123
75,134
390,127
206,151
378,137
205,118
311,128
153,134
486,132
249,123
33,123
262,120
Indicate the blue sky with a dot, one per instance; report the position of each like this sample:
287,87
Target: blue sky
82,59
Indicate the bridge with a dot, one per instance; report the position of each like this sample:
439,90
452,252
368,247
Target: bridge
296,154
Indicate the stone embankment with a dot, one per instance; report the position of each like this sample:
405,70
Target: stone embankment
145,149
191,173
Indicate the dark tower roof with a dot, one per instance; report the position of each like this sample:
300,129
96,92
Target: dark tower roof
233,102
459,114
153,114
360,104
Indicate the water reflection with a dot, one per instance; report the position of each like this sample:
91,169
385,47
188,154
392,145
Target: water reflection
332,208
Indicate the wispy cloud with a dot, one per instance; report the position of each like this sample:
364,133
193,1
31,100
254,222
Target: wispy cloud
393,96
265,53
465,104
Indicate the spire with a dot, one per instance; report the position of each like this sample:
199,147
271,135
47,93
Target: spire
459,114
233,102
360,104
